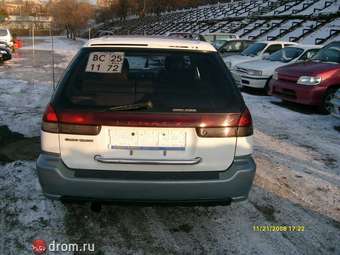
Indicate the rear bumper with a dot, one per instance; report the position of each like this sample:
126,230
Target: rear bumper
308,95
58,181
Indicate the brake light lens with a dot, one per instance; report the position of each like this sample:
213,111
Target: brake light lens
50,115
53,124
89,123
239,125
245,119
50,120
245,124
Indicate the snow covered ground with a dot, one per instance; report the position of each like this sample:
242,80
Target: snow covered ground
297,152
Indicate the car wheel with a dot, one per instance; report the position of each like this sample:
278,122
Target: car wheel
267,88
326,106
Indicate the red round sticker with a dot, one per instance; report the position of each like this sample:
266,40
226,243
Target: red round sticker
39,246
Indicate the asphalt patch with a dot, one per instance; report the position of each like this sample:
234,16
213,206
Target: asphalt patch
15,146
254,91
303,109
186,228
267,211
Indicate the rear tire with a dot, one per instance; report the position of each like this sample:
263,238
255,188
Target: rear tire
326,104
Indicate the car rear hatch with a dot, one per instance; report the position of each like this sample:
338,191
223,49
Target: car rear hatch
158,111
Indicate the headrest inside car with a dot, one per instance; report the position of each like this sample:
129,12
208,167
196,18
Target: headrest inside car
174,63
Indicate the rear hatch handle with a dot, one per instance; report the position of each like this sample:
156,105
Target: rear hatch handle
104,160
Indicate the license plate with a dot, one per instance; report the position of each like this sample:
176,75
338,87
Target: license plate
147,139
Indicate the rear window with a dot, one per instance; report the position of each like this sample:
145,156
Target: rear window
173,81
273,48
330,53
225,37
218,44
233,46
3,32
309,54
254,49
209,38
286,54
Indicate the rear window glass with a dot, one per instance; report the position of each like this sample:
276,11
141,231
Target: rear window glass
219,43
330,53
233,46
173,81
309,54
225,37
254,49
286,54
209,38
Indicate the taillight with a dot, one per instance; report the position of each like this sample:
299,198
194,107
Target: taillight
53,124
245,119
239,125
50,121
245,124
89,123
79,129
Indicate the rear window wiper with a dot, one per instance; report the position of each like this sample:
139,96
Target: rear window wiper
143,105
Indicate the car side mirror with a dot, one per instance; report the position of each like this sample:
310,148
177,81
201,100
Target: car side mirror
265,56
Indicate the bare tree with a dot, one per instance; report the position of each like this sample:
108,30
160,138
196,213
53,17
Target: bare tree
71,15
3,14
123,6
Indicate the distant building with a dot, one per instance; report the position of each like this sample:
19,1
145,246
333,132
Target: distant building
26,22
23,15
21,7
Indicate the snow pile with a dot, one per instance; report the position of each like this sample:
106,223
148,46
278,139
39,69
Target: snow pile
22,104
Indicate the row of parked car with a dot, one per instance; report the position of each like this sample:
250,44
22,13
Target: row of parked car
6,45
305,74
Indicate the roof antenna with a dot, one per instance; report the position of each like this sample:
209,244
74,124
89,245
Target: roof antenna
52,49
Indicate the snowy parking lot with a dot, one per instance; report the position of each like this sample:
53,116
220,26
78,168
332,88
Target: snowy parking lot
297,151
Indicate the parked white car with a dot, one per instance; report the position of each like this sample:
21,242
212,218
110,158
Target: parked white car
258,73
6,36
256,51
147,119
336,104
